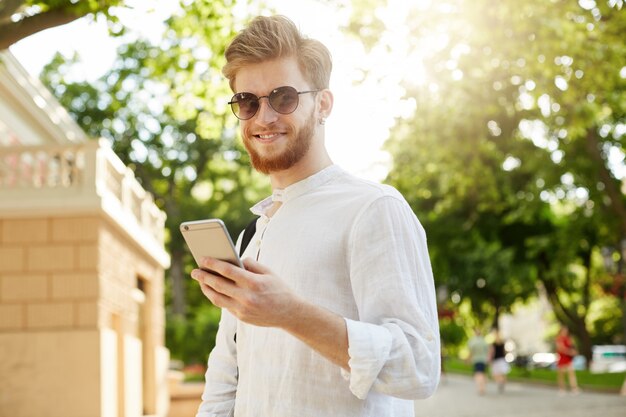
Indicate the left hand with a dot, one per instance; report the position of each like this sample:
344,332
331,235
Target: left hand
254,294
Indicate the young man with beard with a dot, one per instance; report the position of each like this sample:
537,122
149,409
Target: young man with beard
334,313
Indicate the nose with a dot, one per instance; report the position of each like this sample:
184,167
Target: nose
266,114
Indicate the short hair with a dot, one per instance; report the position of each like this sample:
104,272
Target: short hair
273,37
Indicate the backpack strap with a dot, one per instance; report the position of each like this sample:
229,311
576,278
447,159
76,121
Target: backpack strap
248,233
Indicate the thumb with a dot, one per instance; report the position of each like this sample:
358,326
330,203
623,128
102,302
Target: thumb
255,267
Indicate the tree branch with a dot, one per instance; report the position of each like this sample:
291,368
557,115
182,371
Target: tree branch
12,32
8,8
587,284
612,190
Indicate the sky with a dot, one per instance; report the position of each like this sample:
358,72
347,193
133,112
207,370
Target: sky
363,111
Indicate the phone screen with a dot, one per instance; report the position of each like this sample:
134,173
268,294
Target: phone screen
209,238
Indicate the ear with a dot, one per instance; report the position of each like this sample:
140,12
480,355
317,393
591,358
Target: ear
325,103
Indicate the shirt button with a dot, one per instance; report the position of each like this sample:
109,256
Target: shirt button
429,337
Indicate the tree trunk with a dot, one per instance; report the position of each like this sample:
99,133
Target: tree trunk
177,274
571,319
622,305
584,341
621,290
496,316
612,185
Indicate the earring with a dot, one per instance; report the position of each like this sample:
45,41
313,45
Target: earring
322,121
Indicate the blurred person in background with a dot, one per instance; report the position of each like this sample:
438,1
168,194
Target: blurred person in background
479,355
499,366
565,351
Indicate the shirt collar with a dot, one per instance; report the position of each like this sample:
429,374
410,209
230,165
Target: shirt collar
297,189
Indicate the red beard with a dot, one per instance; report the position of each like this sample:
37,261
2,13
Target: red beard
296,149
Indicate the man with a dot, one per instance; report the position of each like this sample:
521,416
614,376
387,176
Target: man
334,313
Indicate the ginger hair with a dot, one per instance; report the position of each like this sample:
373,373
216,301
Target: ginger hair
273,37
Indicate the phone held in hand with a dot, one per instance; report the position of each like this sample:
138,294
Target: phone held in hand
209,238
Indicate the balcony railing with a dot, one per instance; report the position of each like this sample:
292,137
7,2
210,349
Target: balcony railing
77,178
39,167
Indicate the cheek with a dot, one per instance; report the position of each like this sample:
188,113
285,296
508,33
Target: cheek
244,128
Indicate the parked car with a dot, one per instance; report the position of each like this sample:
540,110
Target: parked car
543,360
548,360
608,358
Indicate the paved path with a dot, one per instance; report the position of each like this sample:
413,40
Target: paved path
456,397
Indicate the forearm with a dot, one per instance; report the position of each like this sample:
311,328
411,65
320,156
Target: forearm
323,331
394,357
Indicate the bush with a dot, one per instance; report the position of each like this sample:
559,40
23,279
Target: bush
192,338
452,335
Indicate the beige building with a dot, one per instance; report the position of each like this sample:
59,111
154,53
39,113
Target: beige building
81,268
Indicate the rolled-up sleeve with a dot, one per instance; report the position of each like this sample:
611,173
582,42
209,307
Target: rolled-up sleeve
394,345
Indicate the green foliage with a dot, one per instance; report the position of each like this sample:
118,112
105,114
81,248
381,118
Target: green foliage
191,339
365,24
606,322
80,8
453,335
506,157
20,19
163,107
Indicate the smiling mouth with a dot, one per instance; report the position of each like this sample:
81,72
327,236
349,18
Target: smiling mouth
268,136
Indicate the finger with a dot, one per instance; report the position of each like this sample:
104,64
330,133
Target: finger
217,283
220,267
255,267
218,299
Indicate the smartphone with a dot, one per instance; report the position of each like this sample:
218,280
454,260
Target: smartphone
209,238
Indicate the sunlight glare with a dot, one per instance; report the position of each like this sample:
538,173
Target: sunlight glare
364,110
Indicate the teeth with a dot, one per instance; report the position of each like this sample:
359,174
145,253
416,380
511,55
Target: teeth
267,136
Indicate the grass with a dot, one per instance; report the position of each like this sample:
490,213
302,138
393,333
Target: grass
194,377
609,382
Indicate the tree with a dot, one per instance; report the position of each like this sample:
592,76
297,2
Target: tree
22,18
164,109
506,157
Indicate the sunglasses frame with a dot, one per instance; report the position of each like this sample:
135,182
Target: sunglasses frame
233,101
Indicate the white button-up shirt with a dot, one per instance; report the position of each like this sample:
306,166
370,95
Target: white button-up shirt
355,248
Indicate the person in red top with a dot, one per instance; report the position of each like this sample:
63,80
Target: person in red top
566,351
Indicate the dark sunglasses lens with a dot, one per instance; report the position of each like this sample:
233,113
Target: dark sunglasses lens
284,99
245,105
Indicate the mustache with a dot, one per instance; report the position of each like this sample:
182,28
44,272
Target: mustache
274,127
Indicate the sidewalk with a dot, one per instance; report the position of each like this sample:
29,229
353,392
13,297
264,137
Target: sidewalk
456,396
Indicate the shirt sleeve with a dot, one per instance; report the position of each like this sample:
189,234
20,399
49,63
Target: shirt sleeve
394,346
218,397
220,388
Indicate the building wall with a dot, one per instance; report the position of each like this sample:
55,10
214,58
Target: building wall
528,326
81,320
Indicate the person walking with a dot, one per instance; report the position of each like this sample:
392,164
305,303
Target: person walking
565,351
500,368
334,313
478,356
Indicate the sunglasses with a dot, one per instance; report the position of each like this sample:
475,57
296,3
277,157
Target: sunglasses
283,100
